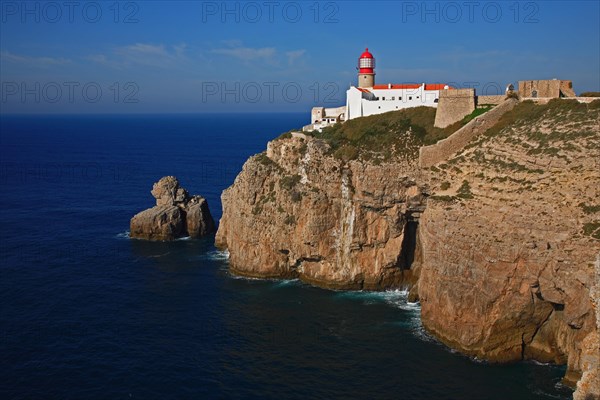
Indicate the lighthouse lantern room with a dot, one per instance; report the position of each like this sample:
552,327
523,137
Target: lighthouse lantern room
366,70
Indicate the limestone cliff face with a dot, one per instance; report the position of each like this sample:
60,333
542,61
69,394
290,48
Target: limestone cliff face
500,243
297,211
510,241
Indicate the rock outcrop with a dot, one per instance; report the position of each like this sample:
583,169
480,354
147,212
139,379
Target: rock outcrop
500,243
297,211
176,214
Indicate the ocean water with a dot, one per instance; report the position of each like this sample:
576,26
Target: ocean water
86,313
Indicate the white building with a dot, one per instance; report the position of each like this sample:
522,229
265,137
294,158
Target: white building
369,99
378,99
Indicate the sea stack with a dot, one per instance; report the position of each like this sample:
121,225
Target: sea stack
176,214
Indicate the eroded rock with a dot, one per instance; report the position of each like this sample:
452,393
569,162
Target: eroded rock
297,211
176,214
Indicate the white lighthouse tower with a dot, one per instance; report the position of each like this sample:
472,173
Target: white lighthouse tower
366,70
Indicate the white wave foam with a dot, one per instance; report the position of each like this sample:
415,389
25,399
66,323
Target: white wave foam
216,255
420,333
546,364
122,235
160,255
245,278
395,297
285,282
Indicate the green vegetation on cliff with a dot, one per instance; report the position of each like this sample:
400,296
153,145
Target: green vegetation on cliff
383,137
558,111
564,122
592,229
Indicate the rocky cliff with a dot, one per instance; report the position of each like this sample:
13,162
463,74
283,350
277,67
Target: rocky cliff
511,237
500,242
176,214
297,211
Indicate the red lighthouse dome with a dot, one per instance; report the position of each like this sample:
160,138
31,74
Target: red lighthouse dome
366,62
366,70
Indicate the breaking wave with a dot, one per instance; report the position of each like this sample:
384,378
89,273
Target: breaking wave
122,235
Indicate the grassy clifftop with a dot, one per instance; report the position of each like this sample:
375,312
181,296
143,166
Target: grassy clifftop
540,156
384,137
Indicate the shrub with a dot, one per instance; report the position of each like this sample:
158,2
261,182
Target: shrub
346,153
589,209
296,196
302,149
592,229
286,135
464,192
476,113
288,182
446,199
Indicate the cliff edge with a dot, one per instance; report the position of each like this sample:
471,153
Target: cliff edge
499,242
510,241
298,212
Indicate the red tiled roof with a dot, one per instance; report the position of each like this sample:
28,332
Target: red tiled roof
428,86
401,86
363,90
436,86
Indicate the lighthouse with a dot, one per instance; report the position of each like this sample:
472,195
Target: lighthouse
366,70
367,98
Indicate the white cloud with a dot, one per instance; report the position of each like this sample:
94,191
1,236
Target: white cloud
144,49
101,59
294,55
32,61
248,53
232,43
153,55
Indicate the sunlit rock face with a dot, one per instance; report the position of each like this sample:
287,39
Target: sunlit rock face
499,242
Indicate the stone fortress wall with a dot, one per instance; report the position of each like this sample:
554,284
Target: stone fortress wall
454,105
552,88
442,150
490,99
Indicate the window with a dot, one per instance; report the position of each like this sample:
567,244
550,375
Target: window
436,100
400,98
410,97
383,98
366,63
393,97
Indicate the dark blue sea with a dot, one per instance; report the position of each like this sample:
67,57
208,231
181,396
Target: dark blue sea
86,313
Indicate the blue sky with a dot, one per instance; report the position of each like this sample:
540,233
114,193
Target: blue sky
205,56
